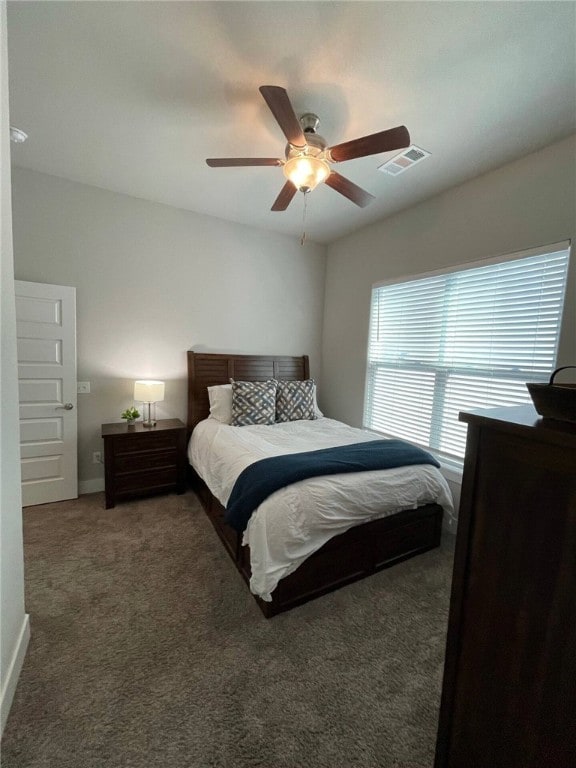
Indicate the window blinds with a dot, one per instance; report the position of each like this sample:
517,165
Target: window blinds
460,340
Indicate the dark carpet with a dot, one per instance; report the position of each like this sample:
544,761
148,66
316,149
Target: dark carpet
148,650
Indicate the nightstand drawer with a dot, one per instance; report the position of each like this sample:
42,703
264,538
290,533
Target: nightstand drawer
145,442
141,481
129,462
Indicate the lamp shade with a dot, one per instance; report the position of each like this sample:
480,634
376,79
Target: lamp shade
149,391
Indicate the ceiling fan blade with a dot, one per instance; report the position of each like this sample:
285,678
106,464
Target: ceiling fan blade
285,197
385,141
280,106
349,189
227,162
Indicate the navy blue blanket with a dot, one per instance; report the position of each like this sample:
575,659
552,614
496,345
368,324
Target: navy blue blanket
261,479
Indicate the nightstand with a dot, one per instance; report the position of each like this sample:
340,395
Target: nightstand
140,460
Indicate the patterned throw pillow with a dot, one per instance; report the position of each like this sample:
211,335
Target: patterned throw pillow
295,400
253,402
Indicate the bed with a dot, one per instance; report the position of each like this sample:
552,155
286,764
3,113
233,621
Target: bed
362,548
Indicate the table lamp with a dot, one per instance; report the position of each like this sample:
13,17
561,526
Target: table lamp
149,393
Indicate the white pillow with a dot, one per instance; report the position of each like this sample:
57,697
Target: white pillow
317,412
220,398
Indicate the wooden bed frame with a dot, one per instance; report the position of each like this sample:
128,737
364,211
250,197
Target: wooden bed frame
350,556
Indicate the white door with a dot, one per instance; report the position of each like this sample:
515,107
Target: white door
46,330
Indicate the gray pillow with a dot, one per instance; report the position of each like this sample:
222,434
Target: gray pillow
295,400
253,402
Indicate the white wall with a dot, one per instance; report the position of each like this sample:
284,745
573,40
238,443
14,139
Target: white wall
153,281
14,622
527,203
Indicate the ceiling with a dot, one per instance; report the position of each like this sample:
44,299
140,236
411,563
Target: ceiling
133,96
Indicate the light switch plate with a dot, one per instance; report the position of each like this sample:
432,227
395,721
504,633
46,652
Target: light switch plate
83,387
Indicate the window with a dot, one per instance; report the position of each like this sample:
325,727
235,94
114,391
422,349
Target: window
467,338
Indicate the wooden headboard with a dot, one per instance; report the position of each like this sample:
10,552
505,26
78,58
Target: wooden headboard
207,369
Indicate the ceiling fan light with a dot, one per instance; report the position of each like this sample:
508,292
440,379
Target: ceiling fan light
306,171
17,135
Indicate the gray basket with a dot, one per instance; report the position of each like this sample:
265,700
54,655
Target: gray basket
555,401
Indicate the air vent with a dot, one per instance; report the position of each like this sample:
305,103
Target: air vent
404,160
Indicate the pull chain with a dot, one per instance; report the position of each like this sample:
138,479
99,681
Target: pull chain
303,238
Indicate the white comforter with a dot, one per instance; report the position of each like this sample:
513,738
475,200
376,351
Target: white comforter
297,520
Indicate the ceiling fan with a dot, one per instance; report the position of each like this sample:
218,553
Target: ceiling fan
307,158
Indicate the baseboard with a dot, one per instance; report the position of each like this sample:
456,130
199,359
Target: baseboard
90,486
13,672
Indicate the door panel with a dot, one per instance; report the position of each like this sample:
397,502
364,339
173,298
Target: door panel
40,391
38,310
46,329
45,468
39,351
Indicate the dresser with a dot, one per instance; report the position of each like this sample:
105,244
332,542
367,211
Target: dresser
141,460
509,689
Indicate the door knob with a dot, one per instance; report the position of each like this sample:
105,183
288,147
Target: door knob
65,407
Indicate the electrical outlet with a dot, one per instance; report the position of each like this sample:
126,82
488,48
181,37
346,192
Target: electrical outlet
97,457
83,387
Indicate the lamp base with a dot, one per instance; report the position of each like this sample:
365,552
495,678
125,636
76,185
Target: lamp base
149,419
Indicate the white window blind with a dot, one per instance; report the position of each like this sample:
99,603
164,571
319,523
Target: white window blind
464,339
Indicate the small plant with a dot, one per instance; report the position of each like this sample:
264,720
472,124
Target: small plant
130,414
